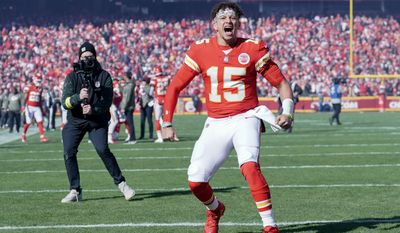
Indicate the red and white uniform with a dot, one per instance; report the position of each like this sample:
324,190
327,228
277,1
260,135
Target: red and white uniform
230,75
160,84
33,104
115,112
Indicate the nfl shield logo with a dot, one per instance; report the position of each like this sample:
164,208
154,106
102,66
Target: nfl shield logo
97,84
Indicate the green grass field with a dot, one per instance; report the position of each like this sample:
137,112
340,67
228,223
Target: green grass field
323,179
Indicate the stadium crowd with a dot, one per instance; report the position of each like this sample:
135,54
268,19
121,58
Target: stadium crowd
310,51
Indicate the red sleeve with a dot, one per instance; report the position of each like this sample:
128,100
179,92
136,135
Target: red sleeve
272,73
266,67
184,76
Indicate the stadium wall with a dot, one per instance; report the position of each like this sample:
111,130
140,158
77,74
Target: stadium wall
312,104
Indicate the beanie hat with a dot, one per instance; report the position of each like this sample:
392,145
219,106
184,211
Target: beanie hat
87,47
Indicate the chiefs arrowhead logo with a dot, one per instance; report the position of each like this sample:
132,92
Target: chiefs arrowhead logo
244,58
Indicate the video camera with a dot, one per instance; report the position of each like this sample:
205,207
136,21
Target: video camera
84,69
86,65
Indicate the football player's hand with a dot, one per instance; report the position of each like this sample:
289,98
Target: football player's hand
168,133
284,121
84,94
86,109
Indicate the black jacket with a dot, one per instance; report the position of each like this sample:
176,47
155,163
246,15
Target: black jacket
100,98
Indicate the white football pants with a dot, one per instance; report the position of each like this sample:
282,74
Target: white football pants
218,138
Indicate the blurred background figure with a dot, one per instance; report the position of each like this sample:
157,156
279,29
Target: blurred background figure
128,106
336,100
160,82
146,107
196,101
55,94
33,107
3,106
14,109
115,112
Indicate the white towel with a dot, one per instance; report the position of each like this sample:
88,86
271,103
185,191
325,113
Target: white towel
263,113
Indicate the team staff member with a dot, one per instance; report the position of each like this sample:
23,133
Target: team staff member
128,106
336,100
14,109
87,95
229,67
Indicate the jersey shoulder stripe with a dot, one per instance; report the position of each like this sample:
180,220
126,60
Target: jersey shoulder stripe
261,62
192,64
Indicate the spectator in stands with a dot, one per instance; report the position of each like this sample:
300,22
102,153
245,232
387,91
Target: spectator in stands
308,47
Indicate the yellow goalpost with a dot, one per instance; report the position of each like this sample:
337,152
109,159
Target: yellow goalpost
351,74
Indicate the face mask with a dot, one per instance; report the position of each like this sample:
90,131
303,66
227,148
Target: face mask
89,64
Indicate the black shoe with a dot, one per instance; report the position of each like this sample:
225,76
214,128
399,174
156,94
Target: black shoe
330,121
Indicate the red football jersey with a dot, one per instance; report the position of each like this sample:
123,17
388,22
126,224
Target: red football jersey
33,96
229,74
117,96
160,84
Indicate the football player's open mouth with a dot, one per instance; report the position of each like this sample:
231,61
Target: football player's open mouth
228,30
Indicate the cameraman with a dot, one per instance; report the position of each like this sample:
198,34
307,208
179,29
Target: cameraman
87,95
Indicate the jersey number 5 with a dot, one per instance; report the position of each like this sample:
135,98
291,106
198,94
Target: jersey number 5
235,95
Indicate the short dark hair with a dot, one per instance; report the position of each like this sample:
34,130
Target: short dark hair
128,74
227,5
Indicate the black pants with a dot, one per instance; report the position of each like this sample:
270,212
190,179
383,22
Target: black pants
129,120
46,116
4,118
72,137
146,113
14,117
53,111
337,108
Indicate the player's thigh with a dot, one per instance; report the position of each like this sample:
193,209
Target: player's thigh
158,109
246,140
211,150
28,115
38,114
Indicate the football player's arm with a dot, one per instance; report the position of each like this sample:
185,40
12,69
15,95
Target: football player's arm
69,99
274,75
184,76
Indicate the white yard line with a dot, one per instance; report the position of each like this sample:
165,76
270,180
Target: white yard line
222,168
194,224
325,186
191,148
334,154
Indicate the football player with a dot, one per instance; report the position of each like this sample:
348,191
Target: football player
229,66
160,84
115,113
33,107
